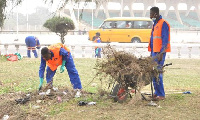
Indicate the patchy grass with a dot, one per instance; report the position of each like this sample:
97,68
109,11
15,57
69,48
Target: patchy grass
22,77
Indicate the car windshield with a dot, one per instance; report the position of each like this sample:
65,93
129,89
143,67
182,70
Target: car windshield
106,25
142,24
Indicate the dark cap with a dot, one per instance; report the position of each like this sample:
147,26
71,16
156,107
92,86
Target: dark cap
98,33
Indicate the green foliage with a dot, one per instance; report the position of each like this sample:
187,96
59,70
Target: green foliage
2,7
60,25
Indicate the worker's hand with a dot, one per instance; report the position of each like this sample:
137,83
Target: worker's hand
41,82
62,69
38,47
160,56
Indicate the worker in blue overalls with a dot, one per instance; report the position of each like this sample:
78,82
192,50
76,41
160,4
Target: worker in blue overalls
159,44
32,43
97,39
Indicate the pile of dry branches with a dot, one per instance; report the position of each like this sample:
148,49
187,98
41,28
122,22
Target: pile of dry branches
125,68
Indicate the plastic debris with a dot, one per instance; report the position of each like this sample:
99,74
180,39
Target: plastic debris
187,92
64,93
38,101
22,100
92,103
59,99
82,103
42,93
93,84
48,91
5,117
35,107
78,94
159,106
55,88
152,104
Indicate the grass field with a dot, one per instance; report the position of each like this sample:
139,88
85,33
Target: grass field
22,77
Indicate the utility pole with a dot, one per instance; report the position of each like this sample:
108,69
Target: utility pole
26,16
17,22
78,18
122,7
154,3
92,15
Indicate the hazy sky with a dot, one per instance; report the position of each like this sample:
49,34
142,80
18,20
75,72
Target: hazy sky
29,6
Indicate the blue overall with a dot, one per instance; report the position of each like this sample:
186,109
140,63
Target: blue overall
72,72
31,44
98,50
159,87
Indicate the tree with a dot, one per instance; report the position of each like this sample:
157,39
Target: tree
2,11
60,25
4,3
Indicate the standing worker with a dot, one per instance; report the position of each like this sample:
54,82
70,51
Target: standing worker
159,44
54,56
97,39
32,43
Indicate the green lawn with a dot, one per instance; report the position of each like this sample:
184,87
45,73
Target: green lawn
22,76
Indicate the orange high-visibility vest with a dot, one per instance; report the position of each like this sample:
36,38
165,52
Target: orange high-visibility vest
95,41
57,58
157,38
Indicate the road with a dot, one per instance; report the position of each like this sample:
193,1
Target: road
176,38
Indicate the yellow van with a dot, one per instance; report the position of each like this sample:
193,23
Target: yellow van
124,29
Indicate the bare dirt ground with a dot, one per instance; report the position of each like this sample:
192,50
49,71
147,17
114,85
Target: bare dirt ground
176,106
14,104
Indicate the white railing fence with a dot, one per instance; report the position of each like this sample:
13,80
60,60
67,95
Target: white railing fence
178,50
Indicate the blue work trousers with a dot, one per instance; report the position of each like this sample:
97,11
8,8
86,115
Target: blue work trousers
31,45
72,72
158,86
98,52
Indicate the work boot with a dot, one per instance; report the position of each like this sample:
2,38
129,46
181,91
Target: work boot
158,98
154,96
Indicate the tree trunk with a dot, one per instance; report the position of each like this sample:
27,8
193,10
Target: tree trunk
62,38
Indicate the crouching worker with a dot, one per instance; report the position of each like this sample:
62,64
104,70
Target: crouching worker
32,43
54,56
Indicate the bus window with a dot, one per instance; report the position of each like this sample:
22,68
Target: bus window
114,25
142,25
106,25
122,24
128,24
149,24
